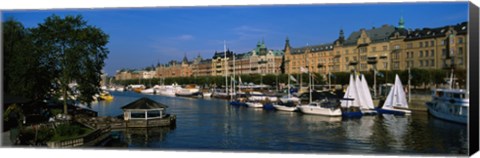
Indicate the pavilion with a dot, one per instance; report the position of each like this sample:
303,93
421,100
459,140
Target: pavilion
144,109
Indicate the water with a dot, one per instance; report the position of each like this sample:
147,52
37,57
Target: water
213,125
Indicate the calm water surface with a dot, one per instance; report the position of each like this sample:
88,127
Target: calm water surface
212,124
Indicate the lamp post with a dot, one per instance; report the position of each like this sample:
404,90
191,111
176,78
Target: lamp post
319,66
288,78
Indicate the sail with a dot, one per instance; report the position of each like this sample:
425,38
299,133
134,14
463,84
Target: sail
367,95
350,94
396,96
360,95
401,96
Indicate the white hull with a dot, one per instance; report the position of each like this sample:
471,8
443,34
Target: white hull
317,110
148,91
289,99
207,94
254,104
406,111
285,108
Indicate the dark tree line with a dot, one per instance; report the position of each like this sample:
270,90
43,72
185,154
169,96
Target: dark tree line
42,61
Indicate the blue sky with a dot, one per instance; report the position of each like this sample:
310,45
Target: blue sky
140,37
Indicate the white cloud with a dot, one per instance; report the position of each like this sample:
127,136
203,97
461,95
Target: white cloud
184,37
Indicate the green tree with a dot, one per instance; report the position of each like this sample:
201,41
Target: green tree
76,52
26,73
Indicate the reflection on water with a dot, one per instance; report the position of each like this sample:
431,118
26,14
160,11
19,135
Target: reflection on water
212,124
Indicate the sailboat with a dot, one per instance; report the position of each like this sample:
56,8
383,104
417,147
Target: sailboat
323,107
396,102
367,107
351,100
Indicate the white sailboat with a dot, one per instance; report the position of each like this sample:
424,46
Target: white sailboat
351,100
396,102
367,107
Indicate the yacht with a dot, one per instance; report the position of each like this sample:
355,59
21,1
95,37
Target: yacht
449,104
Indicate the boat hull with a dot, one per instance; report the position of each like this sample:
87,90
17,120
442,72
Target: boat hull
268,106
399,112
255,104
238,103
316,110
355,114
442,114
285,108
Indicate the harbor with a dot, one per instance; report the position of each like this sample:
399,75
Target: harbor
213,124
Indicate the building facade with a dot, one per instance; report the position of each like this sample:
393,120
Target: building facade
384,48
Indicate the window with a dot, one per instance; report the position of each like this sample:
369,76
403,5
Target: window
443,42
346,59
432,62
385,65
395,65
432,43
426,63
354,58
396,47
346,51
426,53
460,61
460,51
421,54
426,43
374,49
363,58
432,53
421,44
421,63
385,48
409,45
460,40
444,52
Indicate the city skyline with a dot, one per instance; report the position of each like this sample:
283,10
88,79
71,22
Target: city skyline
164,34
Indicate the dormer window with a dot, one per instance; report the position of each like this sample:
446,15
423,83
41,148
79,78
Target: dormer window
443,30
464,27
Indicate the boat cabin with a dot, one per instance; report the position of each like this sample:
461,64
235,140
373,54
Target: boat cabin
144,109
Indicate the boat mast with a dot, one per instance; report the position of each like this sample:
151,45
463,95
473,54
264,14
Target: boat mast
226,69
233,82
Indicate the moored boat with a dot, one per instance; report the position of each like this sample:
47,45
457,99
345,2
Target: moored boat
449,104
321,108
396,101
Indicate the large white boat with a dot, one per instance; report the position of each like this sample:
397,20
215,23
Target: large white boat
325,107
396,101
189,91
317,108
168,90
449,104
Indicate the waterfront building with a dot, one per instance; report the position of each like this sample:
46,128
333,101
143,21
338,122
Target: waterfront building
384,48
435,48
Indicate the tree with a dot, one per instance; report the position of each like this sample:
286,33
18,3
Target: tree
282,65
25,73
76,53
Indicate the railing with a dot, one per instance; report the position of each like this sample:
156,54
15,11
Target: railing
84,140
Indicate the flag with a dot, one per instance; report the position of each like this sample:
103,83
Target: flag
293,78
304,70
